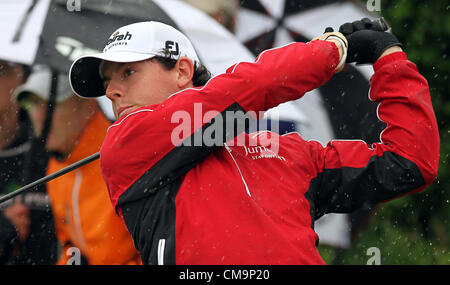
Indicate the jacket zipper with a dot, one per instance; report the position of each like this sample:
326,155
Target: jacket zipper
242,177
161,246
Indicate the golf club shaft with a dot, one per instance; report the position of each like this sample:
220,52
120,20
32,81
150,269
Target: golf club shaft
50,177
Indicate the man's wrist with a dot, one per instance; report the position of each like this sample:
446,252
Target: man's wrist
389,58
390,50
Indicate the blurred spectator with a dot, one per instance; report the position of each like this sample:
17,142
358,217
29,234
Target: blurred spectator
84,217
223,11
27,231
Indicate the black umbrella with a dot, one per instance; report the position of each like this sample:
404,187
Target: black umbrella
68,35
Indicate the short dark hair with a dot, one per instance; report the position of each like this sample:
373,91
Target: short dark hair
201,73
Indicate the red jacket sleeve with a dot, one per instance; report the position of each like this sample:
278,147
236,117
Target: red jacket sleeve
152,137
353,174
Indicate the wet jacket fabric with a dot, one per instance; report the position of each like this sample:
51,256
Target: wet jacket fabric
254,199
84,217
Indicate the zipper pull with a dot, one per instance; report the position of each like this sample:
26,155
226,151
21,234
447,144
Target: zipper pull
161,247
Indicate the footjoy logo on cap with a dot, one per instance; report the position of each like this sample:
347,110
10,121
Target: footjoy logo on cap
117,39
173,47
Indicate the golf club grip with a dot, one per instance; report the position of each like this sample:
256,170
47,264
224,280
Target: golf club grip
380,24
50,177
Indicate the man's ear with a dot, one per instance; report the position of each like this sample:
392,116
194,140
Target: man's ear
185,68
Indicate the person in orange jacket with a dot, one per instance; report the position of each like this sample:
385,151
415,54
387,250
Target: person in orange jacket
85,220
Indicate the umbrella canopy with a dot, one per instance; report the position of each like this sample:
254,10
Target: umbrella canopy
68,35
21,24
263,24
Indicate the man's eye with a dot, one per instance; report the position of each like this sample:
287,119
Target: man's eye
129,72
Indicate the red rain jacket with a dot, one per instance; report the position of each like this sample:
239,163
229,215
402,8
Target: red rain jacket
254,199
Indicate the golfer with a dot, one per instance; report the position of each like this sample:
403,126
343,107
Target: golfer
251,198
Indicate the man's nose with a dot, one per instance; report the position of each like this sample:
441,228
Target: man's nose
114,90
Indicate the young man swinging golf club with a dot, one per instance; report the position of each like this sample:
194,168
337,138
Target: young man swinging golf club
252,198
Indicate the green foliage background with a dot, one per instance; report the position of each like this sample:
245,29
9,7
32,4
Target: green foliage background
414,229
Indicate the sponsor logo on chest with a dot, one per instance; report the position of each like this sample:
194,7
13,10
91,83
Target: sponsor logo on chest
258,152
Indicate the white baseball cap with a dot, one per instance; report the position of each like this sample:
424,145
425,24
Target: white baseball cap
131,43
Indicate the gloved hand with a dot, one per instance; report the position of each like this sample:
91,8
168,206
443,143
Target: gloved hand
366,40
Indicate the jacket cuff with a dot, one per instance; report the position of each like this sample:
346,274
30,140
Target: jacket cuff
399,55
335,55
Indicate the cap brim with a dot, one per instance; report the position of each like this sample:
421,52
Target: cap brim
84,73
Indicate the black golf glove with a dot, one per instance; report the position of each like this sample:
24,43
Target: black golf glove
366,41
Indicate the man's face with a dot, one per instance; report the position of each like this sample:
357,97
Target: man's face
133,85
11,76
